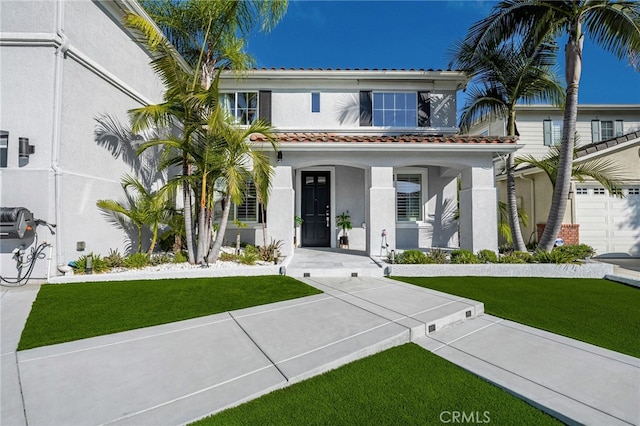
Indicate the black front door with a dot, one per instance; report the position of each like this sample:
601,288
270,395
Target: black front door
316,209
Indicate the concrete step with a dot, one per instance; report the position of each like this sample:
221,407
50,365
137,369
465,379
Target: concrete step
297,272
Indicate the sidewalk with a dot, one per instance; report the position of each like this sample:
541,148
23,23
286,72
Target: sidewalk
179,372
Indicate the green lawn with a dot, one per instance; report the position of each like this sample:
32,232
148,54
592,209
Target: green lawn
599,312
406,385
65,312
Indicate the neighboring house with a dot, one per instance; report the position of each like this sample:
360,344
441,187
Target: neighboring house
381,145
64,64
609,224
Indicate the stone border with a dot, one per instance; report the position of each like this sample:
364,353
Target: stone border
543,270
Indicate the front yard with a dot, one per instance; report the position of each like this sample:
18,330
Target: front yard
66,312
599,312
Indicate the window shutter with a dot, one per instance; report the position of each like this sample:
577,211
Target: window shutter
366,108
265,105
547,131
618,130
424,109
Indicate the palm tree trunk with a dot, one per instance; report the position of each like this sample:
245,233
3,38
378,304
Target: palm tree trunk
188,219
573,69
217,245
154,238
512,206
512,200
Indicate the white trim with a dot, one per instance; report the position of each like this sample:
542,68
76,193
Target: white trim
332,189
424,196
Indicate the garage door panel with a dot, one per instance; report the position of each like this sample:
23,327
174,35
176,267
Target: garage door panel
608,223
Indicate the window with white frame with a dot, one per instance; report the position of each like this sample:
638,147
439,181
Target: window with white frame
602,130
599,191
409,187
633,190
4,148
242,107
582,190
552,132
395,109
248,210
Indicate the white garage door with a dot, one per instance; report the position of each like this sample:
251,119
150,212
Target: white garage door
609,224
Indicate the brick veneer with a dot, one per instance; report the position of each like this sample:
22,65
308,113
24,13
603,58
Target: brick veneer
569,233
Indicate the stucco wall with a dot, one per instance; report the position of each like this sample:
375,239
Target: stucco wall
103,72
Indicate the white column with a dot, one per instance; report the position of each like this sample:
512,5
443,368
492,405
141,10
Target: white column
478,209
382,210
280,209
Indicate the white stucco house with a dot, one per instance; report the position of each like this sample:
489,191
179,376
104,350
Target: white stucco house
610,132
381,145
64,65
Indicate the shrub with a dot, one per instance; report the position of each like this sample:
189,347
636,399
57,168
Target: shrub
137,260
412,257
159,259
179,257
579,251
459,256
437,255
524,255
511,258
487,256
98,264
250,255
554,256
227,257
114,259
266,253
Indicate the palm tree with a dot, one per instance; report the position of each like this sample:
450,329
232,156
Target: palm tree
240,161
210,34
613,24
506,75
605,172
143,208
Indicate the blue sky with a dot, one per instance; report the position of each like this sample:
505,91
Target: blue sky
408,34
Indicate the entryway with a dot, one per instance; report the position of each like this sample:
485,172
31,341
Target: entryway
316,209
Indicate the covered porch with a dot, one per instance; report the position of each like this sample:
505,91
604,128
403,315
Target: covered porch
399,192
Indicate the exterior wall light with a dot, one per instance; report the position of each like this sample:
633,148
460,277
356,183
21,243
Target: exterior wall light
24,151
279,156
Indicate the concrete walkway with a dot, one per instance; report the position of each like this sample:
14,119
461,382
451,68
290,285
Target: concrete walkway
179,372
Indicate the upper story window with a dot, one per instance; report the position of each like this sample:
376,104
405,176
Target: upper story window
395,109
552,132
4,148
409,197
242,107
315,101
602,130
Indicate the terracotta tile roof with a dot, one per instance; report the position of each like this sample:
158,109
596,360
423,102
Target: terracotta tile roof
385,139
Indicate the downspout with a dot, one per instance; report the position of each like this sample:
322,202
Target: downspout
60,53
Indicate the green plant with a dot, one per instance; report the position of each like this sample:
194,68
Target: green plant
98,264
413,257
487,256
137,260
553,256
460,256
579,251
180,257
228,257
269,252
250,255
159,259
297,221
525,256
343,221
510,258
114,259
437,255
